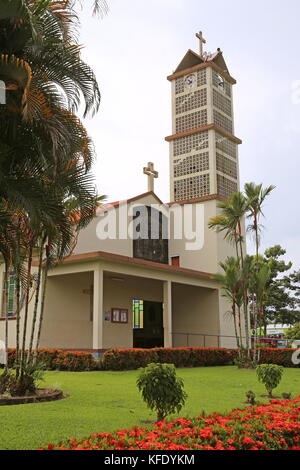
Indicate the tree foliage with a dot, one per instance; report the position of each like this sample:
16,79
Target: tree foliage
47,190
270,375
161,389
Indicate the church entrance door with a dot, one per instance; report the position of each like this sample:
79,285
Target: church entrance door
152,333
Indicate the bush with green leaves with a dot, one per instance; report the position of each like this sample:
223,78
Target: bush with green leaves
250,397
26,384
293,333
161,389
270,375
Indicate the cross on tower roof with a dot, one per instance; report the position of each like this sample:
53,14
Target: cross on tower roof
202,41
151,173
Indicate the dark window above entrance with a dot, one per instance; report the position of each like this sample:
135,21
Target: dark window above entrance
150,233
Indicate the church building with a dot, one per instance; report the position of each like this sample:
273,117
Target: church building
141,274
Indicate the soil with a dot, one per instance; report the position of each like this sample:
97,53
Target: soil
41,395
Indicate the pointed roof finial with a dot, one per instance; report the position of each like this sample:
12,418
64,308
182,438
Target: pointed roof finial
202,41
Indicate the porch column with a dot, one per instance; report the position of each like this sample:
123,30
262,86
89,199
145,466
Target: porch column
98,309
167,296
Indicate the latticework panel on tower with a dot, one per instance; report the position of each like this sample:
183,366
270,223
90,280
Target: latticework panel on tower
226,166
225,145
192,164
193,100
190,143
201,80
223,121
226,187
191,121
225,85
222,103
192,187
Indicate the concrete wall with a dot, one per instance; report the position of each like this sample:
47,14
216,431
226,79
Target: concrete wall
206,258
195,310
88,240
12,323
67,322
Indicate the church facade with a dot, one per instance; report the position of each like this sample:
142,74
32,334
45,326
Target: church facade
141,274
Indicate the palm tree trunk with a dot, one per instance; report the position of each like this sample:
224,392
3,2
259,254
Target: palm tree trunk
23,359
36,303
44,288
246,324
6,314
235,326
240,327
18,294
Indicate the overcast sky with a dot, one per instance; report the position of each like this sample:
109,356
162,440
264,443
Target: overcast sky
140,42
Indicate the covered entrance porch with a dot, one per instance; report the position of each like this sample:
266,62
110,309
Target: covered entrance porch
93,306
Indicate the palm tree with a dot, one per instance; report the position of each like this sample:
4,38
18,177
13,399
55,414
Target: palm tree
79,207
256,196
231,220
259,286
45,152
231,282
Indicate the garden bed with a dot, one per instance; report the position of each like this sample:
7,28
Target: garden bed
274,426
133,358
41,395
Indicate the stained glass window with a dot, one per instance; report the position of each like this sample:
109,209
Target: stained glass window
11,297
138,313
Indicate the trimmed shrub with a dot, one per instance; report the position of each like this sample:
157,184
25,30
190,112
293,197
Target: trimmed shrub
281,357
270,375
131,358
161,389
128,359
250,397
55,359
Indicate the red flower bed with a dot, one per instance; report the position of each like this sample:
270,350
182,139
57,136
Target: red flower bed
126,359
55,359
281,357
130,359
275,426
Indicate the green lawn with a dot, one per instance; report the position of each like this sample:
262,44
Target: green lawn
107,401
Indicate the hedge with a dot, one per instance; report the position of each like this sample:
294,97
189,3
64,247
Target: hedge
57,359
128,359
282,357
131,359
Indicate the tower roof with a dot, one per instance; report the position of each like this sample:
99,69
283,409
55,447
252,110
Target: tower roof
192,59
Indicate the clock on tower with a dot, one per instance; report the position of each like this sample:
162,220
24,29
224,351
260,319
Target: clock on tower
203,147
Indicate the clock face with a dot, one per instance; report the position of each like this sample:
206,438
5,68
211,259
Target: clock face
190,81
221,83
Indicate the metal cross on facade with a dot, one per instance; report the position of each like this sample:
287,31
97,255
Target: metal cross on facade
202,41
90,292
151,173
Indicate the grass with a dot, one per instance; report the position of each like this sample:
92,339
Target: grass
108,401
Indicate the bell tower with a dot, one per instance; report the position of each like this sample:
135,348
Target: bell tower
203,147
